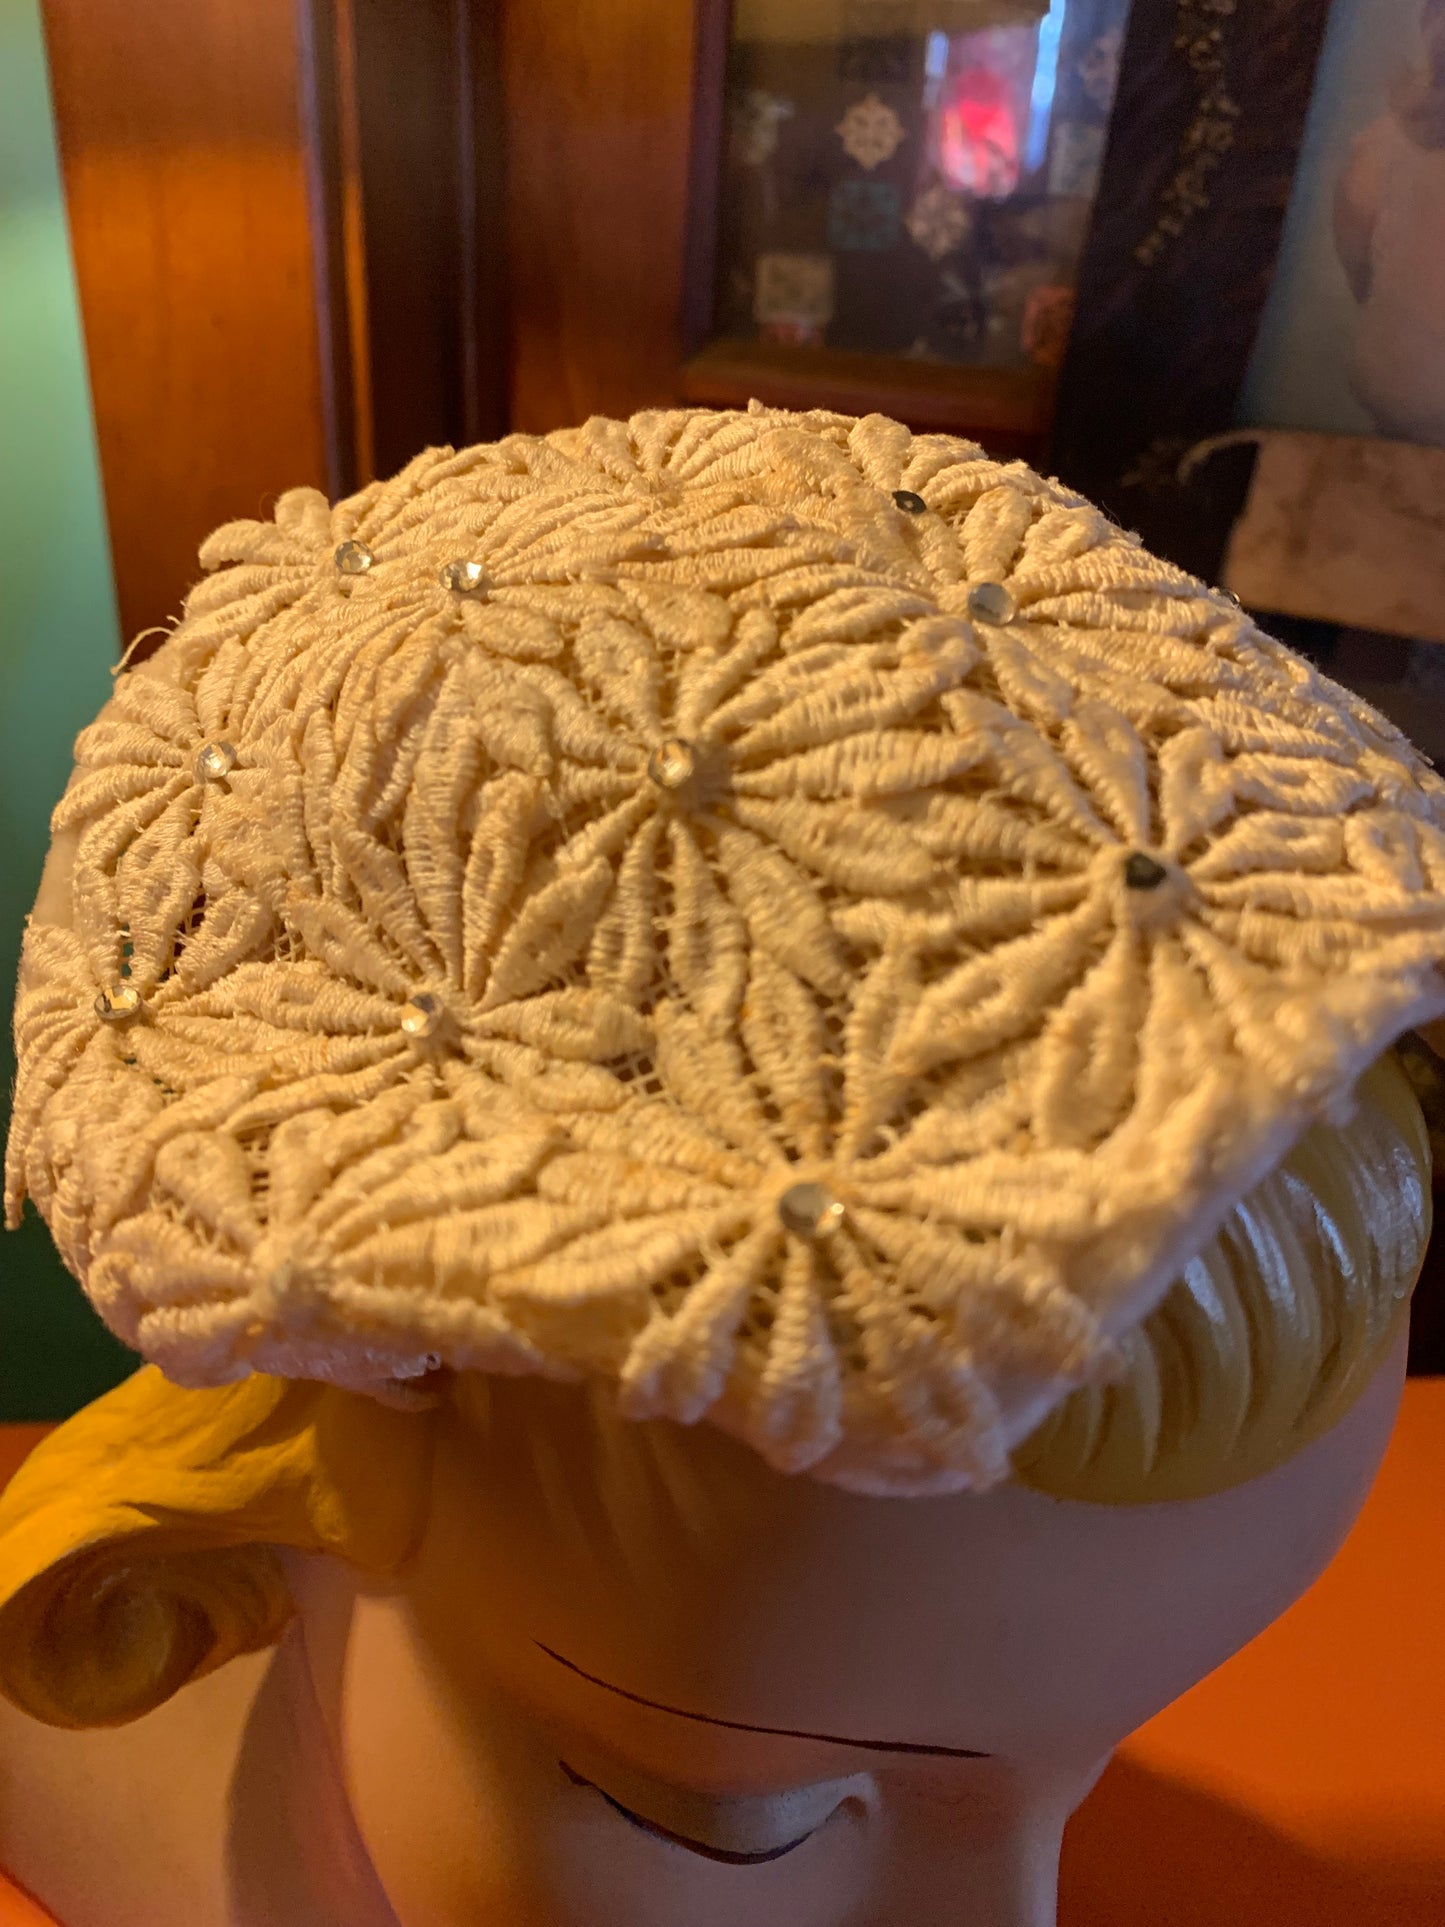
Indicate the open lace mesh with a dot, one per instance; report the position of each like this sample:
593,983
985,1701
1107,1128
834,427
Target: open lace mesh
1033,942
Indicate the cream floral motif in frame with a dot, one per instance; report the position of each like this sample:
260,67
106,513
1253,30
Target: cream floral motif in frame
939,221
533,948
871,132
793,289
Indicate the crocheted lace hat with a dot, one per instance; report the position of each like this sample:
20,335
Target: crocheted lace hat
791,917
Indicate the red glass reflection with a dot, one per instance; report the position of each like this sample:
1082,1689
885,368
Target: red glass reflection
982,114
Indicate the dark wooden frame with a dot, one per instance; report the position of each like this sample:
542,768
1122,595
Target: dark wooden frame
1010,409
401,107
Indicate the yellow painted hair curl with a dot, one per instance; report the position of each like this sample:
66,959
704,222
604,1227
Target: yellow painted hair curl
138,1545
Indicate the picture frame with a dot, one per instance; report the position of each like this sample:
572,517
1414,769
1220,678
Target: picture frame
1203,141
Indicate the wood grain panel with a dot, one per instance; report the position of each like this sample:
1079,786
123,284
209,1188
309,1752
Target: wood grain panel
598,107
409,100
182,154
1006,409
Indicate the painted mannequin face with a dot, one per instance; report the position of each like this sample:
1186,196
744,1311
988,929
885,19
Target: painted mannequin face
635,1679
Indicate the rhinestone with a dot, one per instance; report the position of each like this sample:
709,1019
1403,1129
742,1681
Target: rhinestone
354,558
991,602
808,1211
421,1015
214,762
463,577
419,1367
911,504
671,764
1143,872
119,1004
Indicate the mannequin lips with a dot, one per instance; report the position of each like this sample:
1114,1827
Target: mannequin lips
722,1854
781,1732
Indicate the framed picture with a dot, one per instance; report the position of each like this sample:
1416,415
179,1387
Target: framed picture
902,199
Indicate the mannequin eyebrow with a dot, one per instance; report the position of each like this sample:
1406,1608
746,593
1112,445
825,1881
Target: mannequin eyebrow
780,1732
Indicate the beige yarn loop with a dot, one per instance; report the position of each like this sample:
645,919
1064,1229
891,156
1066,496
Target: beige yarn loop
645,830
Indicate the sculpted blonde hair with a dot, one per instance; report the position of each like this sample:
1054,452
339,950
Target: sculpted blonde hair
1272,1331
138,1545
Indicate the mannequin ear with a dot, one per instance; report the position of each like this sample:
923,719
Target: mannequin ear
139,1542
112,1634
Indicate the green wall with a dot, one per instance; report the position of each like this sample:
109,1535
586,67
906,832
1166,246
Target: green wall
57,638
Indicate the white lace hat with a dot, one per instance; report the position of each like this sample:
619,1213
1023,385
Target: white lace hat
788,916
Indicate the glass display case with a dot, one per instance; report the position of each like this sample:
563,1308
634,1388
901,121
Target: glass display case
910,181
913,179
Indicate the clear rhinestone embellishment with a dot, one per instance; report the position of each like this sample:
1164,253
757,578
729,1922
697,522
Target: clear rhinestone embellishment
910,502
119,1004
992,602
1143,872
463,577
354,558
214,762
671,764
809,1211
419,1367
422,1015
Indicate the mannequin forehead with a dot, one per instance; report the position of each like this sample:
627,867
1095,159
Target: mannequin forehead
606,1564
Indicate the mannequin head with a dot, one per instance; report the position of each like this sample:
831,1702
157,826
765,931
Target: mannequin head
744,1061
577,1577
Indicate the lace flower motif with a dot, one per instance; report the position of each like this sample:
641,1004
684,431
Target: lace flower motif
669,822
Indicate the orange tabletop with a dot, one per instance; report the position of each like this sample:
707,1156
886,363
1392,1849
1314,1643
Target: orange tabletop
18,1911
1303,1784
